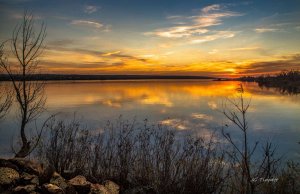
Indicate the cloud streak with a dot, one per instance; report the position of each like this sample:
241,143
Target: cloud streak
111,53
178,31
212,15
87,23
97,54
246,49
215,36
263,30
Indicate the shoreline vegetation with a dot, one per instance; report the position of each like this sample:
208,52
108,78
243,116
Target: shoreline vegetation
286,82
139,158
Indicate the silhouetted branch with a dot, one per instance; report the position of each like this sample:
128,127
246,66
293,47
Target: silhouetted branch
26,46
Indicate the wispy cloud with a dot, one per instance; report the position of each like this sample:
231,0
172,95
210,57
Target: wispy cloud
178,31
74,59
262,30
212,15
174,17
94,53
215,36
89,9
111,53
246,48
210,8
197,25
87,23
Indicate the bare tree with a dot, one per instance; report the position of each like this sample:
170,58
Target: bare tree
246,171
238,118
26,47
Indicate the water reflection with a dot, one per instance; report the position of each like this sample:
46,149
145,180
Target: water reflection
117,93
186,105
283,89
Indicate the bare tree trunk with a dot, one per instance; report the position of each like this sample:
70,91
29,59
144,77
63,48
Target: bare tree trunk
25,149
26,46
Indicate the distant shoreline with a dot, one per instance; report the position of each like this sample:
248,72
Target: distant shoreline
63,77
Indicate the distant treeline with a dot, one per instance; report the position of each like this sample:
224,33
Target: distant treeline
49,77
285,81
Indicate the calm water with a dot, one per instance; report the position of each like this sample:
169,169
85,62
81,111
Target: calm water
190,106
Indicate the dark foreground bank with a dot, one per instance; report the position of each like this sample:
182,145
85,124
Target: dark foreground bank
23,176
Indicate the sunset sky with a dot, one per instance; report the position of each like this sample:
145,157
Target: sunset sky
165,37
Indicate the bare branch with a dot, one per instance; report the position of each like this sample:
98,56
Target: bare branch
26,46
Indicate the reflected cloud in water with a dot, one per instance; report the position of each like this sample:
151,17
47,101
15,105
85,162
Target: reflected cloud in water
189,106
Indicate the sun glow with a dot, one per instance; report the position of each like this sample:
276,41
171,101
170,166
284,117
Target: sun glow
216,40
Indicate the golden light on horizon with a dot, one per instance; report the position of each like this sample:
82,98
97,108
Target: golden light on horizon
116,93
215,40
